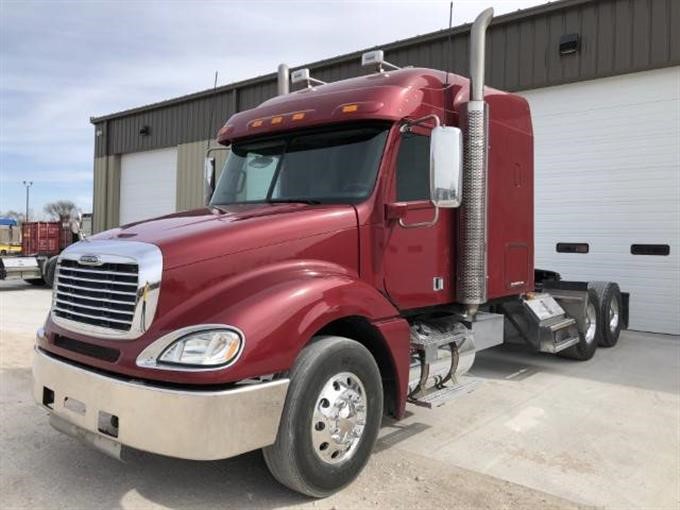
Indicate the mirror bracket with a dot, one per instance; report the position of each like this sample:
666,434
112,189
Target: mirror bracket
395,211
406,127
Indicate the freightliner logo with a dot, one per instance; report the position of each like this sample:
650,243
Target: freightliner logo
90,260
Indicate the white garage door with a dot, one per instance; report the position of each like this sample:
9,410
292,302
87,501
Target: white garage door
148,184
608,175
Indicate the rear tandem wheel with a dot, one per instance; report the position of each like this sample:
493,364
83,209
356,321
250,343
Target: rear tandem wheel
585,349
609,317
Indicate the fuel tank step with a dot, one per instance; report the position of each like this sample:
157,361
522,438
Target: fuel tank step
563,333
542,322
438,397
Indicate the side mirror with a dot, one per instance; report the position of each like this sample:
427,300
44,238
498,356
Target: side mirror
209,178
446,166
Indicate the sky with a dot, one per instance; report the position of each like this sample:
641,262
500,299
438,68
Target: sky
62,62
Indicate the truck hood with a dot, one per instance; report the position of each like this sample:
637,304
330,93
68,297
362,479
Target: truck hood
202,234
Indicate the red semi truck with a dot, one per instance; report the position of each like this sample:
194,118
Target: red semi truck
365,239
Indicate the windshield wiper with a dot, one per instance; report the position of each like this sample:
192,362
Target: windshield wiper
293,201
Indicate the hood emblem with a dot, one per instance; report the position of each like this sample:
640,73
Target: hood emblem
90,260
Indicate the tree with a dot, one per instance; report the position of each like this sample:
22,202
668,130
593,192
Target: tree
61,209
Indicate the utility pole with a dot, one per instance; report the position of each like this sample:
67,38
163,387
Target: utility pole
27,184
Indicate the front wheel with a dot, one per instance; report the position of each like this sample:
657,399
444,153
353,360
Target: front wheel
331,418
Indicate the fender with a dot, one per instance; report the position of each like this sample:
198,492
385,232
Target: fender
302,295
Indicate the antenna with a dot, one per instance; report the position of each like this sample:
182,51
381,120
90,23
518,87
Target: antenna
448,47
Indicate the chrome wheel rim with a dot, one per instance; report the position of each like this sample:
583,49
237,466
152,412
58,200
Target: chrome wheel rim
613,315
591,323
339,418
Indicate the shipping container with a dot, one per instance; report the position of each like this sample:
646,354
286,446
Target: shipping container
44,238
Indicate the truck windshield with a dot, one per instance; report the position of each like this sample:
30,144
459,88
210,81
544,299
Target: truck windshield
338,166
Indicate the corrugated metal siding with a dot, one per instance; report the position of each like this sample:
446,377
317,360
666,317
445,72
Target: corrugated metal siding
113,206
617,37
106,196
190,160
189,178
172,125
99,195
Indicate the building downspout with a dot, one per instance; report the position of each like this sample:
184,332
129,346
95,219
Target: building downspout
472,235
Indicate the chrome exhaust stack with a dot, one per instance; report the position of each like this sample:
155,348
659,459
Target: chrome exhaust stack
283,80
478,54
472,235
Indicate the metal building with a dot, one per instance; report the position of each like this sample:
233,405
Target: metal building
603,81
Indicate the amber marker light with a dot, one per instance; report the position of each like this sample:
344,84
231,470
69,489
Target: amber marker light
298,116
277,120
349,108
256,123
225,129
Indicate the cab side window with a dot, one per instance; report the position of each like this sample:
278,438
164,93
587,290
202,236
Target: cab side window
413,168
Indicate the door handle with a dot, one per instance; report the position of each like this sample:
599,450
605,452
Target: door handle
422,224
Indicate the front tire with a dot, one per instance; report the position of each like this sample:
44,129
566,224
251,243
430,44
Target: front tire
587,345
331,418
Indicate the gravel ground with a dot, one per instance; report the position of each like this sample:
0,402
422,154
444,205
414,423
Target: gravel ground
40,468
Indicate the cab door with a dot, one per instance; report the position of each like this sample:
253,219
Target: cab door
419,257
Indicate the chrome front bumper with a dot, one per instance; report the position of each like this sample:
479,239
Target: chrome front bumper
109,413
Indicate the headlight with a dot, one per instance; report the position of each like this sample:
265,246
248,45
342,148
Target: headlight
194,348
204,348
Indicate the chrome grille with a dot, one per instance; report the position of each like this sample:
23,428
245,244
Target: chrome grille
107,288
104,295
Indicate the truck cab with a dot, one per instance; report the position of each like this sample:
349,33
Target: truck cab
354,255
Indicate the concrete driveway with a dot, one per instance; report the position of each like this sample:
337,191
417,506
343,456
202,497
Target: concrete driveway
538,432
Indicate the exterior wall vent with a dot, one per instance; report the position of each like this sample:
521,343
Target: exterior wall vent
570,43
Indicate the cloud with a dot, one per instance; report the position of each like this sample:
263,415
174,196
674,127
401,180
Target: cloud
62,62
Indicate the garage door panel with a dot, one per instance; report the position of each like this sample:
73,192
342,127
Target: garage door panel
148,184
607,162
610,94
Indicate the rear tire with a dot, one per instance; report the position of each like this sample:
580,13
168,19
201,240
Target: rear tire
609,318
331,418
585,349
